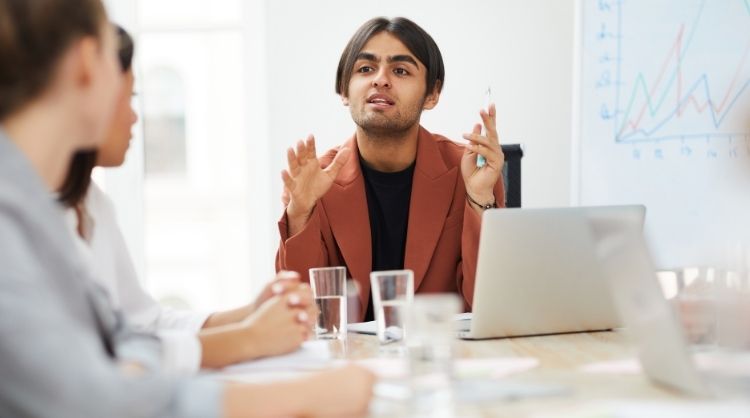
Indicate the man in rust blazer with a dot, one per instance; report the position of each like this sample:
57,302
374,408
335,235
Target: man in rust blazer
394,195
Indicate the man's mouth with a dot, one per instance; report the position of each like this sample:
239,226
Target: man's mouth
380,101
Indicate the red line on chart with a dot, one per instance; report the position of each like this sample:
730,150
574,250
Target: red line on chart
675,54
674,50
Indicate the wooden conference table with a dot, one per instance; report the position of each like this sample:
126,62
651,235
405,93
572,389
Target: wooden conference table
577,373
561,363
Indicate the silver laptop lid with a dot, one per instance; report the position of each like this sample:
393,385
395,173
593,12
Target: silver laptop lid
538,272
649,318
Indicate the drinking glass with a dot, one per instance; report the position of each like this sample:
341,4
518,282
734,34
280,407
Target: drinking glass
329,290
392,293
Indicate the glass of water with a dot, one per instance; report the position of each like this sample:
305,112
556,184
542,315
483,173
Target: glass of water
392,293
329,290
432,333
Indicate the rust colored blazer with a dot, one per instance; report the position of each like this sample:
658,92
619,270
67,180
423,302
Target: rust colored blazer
442,236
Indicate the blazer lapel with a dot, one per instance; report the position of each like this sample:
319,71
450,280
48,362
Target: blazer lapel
431,196
346,207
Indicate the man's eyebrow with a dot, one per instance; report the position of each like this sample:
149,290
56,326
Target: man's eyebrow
403,58
368,56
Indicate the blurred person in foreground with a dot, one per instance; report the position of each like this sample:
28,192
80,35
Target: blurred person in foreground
63,351
277,322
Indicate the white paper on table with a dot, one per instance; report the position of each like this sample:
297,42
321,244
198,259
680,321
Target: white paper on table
466,316
385,368
627,366
313,355
369,327
493,368
362,327
727,364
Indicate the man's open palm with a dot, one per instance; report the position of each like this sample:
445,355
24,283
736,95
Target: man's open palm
304,180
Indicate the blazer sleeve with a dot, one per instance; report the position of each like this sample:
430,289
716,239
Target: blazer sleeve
180,350
55,363
467,267
304,250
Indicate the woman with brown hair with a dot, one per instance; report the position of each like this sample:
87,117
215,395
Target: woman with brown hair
276,323
63,351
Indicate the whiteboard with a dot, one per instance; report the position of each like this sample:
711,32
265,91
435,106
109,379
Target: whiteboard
664,91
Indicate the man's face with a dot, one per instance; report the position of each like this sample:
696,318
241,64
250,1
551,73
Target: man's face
386,92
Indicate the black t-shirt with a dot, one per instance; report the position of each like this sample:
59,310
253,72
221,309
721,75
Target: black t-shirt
388,196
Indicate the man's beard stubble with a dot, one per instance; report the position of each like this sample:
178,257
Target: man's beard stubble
377,126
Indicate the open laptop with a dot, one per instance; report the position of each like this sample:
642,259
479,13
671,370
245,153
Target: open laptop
538,272
652,322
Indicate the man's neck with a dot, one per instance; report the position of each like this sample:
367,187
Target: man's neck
388,153
42,136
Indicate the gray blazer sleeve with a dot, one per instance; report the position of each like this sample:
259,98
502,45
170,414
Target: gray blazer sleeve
52,359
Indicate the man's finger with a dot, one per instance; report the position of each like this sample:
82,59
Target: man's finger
301,152
467,150
338,162
291,159
288,181
489,124
311,152
490,154
485,147
477,139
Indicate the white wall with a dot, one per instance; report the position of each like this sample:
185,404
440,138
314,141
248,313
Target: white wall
125,184
522,48
679,148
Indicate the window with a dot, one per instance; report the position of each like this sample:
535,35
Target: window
196,209
164,122
194,198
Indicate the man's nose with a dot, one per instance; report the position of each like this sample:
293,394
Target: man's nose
382,79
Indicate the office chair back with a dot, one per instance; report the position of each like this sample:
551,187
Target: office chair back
512,174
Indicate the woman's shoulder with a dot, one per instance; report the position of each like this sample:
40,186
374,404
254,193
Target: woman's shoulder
97,202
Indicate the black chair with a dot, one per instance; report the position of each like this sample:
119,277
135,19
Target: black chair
512,174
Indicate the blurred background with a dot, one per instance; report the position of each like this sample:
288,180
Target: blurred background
615,102
224,87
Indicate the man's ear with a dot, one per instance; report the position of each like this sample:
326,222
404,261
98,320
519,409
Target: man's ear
344,100
433,98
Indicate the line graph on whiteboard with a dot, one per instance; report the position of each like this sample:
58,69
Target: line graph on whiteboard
664,89
672,71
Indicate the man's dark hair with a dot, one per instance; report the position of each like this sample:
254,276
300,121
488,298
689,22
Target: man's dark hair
419,43
78,179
